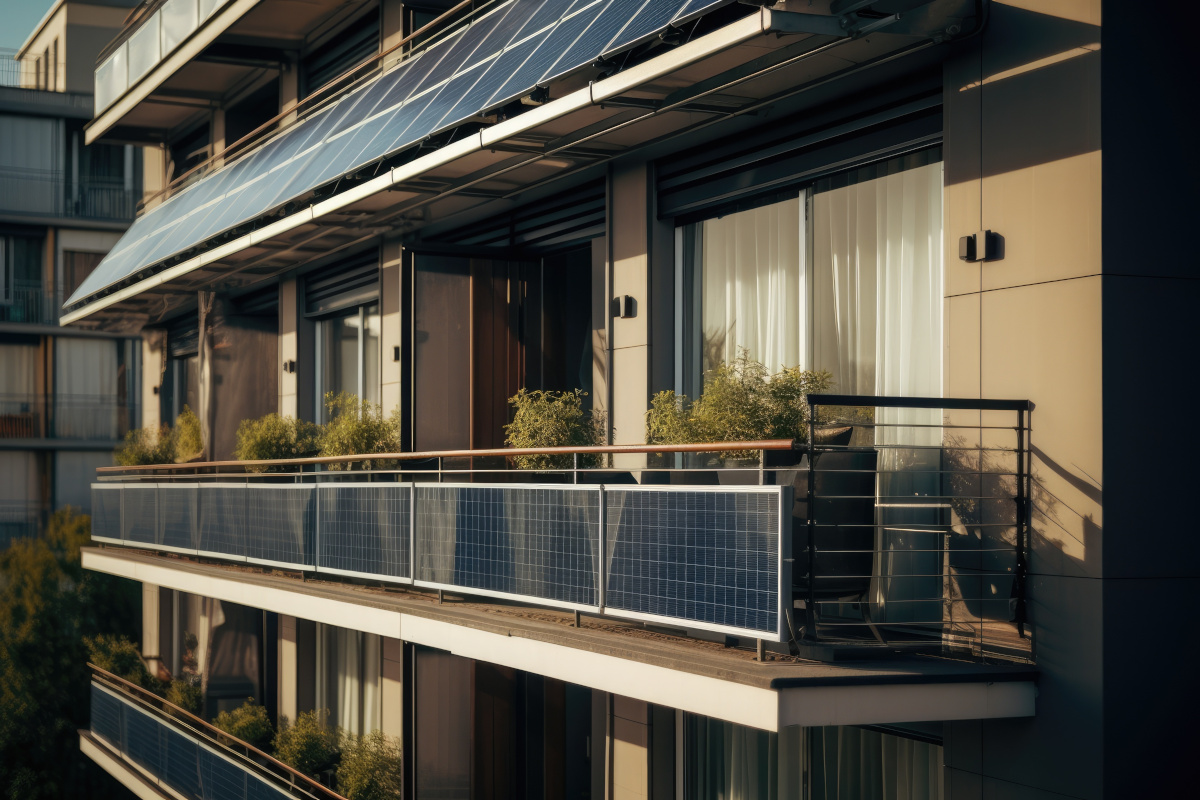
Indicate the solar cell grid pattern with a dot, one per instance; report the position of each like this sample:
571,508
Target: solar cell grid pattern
223,519
280,523
182,771
139,514
143,742
709,557
538,542
365,528
106,512
106,716
177,507
499,57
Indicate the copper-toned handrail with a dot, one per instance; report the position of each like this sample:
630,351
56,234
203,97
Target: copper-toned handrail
613,449
209,729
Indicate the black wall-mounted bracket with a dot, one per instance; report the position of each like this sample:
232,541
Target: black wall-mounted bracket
981,246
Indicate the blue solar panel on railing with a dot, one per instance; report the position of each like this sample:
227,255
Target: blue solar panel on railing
139,514
219,778
222,519
177,508
279,524
534,542
708,557
106,717
143,740
365,529
106,512
500,56
182,772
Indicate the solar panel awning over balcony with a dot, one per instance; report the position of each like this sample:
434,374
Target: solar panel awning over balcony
501,56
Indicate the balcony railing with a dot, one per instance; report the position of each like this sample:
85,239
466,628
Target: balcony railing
65,416
29,302
50,193
21,519
908,530
30,72
184,754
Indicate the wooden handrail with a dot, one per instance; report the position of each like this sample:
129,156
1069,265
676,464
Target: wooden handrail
147,696
612,449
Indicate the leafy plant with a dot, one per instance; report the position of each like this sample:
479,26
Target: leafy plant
247,722
741,401
145,446
273,437
370,767
358,427
120,656
164,444
309,745
553,419
188,441
186,694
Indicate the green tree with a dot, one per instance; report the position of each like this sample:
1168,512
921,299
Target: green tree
370,767
48,605
249,723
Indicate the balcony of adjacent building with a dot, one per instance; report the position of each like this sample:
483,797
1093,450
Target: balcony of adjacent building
44,194
80,418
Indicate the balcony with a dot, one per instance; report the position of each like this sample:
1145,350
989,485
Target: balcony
903,526
140,738
49,193
77,417
30,303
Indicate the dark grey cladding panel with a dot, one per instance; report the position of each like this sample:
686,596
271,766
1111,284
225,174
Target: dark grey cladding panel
499,57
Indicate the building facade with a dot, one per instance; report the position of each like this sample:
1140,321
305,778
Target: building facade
67,396
434,205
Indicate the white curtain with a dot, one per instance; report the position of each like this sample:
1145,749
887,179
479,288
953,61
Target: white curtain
877,290
348,683
856,763
86,379
753,286
18,373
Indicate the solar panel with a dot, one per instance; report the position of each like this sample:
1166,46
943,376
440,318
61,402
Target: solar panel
712,558
364,529
139,514
106,716
222,519
177,511
142,739
536,542
280,524
492,61
182,771
106,512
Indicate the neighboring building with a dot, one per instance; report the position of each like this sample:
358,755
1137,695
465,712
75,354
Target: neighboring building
67,396
946,199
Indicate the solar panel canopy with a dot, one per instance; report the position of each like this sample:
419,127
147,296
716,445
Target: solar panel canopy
502,55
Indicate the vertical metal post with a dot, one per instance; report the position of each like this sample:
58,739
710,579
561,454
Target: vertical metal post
575,468
1022,525
439,469
762,467
601,546
412,531
810,602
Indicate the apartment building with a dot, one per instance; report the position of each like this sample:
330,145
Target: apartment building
67,396
432,205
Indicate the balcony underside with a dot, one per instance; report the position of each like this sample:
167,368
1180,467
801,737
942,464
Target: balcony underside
692,675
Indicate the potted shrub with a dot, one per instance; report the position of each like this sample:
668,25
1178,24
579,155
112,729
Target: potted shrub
358,427
370,768
164,444
553,419
248,722
275,437
308,745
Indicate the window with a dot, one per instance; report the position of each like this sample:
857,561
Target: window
843,275
348,357
349,668
345,50
76,267
724,761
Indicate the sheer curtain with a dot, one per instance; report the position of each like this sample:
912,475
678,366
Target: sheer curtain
348,684
877,313
85,378
847,762
753,286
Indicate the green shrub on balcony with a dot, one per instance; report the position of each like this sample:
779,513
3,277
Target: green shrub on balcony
185,694
553,419
247,722
358,427
370,767
309,745
120,656
164,444
741,401
273,437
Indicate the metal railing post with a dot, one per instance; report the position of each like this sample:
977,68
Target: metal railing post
1022,526
602,547
810,602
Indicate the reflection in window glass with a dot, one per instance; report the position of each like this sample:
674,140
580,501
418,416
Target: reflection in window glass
348,355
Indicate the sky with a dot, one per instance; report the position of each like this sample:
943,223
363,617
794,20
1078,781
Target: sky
17,19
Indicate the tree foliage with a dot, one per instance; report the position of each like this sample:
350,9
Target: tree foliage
553,419
248,722
48,605
741,401
358,427
120,656
164,444
275,437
